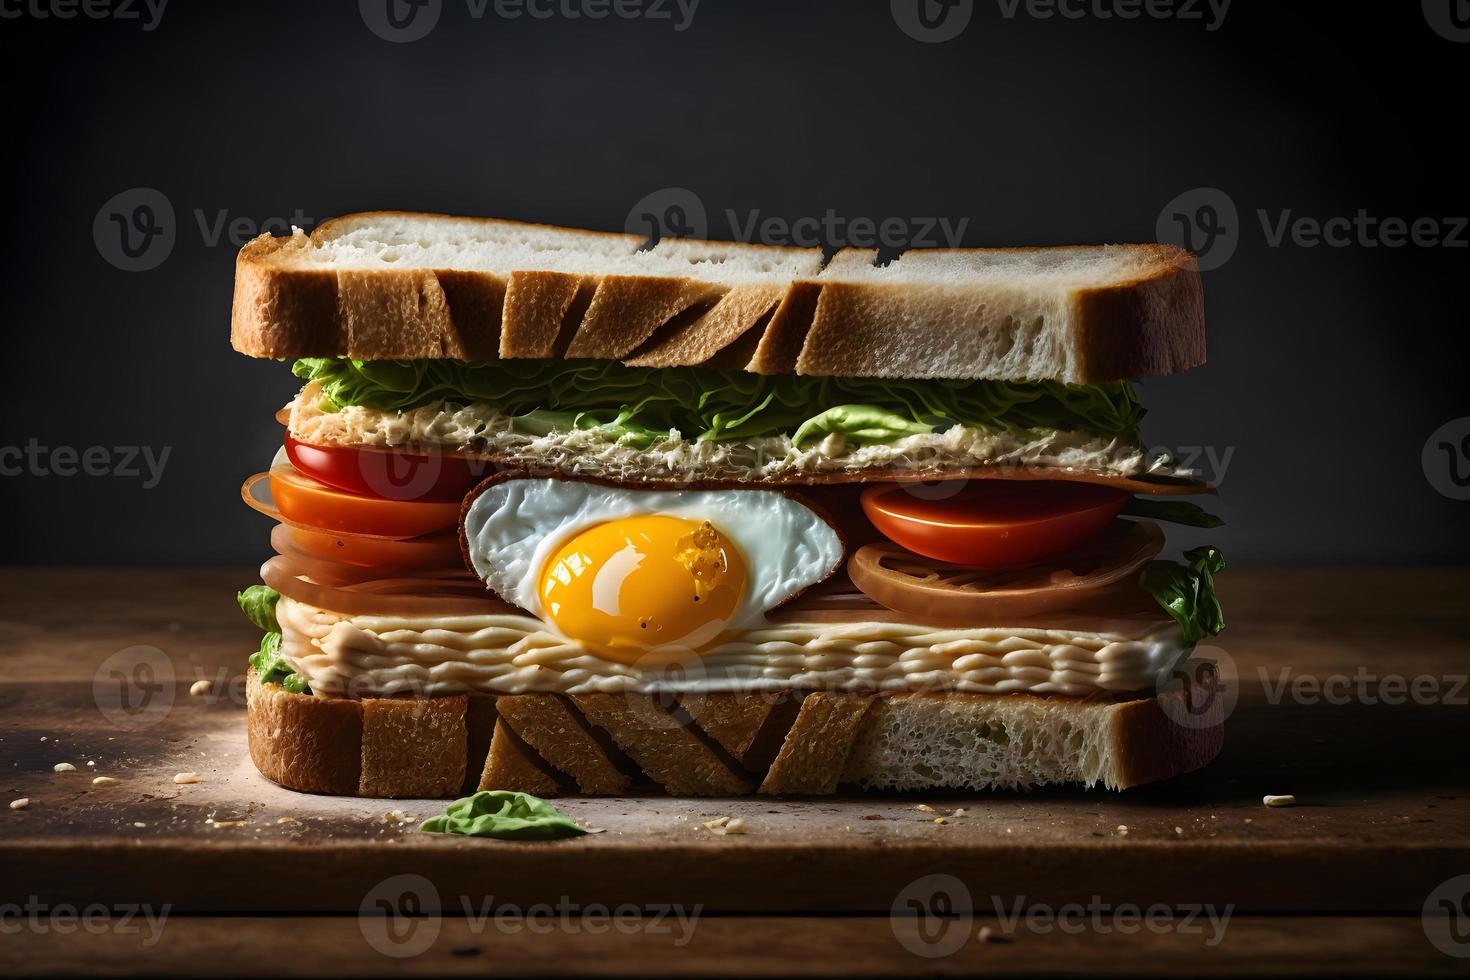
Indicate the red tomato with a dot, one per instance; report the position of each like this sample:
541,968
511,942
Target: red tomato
388,473
991,523
303,500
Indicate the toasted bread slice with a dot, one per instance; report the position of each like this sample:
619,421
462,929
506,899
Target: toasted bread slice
391,285
815,751
512,766
549,725
900,742
664,745
413,747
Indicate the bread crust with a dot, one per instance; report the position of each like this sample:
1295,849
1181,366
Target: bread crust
1151,323
313,744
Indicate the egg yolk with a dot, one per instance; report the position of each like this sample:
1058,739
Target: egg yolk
644,586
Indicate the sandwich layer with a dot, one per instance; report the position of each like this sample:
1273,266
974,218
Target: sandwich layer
395,286
479,428
379,656
722,744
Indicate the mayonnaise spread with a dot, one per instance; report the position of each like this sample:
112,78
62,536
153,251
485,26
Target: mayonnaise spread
365,656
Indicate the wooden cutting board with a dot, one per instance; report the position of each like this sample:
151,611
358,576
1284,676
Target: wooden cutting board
1383,788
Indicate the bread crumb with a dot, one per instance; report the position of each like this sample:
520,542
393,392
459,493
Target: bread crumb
735,826
1279,800
139,823
984,935
188,777
397,816
715,824
287,820
200,687
940,820
63,767
1123,829
21,803
105,781
91,763
924,808
1179,831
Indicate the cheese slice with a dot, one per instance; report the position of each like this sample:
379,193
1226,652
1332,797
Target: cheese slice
341,654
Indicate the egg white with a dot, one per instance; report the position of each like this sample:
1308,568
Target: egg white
514,527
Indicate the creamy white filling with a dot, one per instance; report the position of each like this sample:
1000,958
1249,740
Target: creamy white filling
483,427
515,654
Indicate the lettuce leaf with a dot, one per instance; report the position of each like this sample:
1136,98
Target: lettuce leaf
1187,591
641,405
258,603
503,814
272,668
1174,511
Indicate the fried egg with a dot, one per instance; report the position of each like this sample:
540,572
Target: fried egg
640,574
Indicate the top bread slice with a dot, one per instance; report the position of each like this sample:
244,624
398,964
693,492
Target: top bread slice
399,286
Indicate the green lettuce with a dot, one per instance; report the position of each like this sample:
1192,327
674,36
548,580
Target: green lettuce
1187,591
272,668
641,405
258,603
503,814
1174,511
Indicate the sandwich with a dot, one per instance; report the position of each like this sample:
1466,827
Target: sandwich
565,512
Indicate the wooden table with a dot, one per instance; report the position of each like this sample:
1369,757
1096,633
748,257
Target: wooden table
260,880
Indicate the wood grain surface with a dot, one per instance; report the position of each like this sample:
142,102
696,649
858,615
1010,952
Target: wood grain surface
1380,773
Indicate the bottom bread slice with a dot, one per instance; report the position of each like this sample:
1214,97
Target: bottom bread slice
819,742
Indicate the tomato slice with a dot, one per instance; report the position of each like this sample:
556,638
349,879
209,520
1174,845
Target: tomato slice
388,474
991,523
437,551
302,500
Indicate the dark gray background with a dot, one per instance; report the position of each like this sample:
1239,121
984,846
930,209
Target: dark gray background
1329,367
